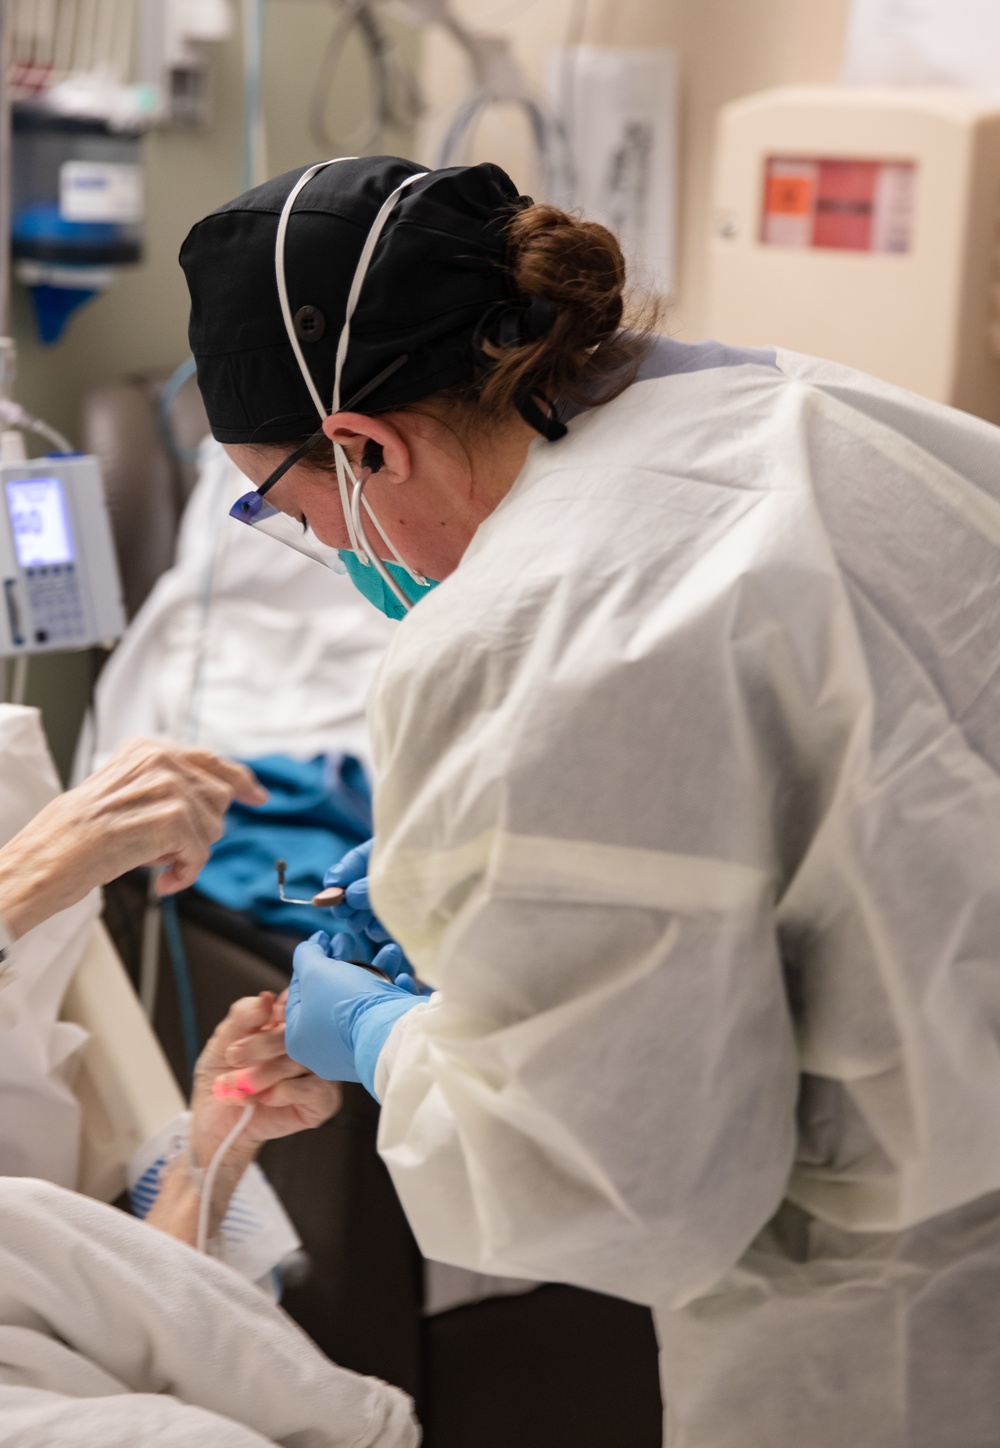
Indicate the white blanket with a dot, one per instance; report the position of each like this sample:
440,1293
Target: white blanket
113,1335
244,646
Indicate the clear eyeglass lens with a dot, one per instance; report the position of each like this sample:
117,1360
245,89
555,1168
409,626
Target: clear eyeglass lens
259,514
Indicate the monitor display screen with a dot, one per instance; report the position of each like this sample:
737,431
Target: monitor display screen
40,521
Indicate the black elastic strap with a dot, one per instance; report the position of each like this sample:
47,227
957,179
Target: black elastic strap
289,462
512,324
548,424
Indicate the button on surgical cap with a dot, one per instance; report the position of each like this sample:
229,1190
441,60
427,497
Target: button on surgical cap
437,269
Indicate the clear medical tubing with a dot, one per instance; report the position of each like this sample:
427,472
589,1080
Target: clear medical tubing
350,505
208,1185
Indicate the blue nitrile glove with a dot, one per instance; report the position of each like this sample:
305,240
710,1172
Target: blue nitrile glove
354,917
338,1016
368,932
390,960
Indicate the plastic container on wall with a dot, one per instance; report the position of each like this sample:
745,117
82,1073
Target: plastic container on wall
77,209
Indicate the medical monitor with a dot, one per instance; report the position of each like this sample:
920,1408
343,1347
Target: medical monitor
61,588
39,521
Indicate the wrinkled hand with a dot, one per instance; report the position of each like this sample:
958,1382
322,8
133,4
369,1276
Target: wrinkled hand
246,1061
150,804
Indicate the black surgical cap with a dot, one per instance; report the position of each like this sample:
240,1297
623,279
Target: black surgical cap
437,269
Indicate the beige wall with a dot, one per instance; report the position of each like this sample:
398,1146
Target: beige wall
728,48
141,323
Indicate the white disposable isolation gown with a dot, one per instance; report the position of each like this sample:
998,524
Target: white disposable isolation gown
689,803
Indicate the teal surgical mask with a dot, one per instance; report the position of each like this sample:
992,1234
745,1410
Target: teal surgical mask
368,581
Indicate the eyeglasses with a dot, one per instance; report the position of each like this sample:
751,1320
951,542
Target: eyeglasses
253,509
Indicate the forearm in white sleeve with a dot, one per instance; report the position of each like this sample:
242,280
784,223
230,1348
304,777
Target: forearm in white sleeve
156,1317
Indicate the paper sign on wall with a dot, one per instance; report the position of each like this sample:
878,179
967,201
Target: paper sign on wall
924,42
619,110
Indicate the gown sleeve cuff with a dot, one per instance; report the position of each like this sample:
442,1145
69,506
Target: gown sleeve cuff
389,1052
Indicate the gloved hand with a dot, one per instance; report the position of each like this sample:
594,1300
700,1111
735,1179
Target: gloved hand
358,933
338,1016
390,960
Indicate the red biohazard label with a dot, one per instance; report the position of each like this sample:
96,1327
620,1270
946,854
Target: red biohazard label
843,205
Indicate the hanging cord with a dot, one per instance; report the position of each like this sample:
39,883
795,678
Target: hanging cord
208,1186
182,979
575,30
396,98
557,172
164,410
206,600
254,135
149,953
497,81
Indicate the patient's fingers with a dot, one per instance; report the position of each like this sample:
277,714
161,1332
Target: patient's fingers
265,1045
251,1013
251,1080
315,1099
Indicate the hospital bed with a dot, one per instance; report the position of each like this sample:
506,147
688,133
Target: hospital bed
553,1366
124,1083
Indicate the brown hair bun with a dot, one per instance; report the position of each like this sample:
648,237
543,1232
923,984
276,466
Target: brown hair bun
577,268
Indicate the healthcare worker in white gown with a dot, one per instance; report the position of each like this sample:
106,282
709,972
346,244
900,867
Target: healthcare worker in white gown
687,803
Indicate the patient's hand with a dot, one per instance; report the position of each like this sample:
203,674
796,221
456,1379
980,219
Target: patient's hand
288,1098
150,804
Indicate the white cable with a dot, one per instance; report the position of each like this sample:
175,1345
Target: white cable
13,415
208,1185
355,527
279,267
357,497
358,280
206,600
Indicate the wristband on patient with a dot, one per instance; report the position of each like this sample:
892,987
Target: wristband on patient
256,1235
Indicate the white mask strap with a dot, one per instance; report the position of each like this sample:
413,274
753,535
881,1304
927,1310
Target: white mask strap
279,268
360,272
357,498
349,502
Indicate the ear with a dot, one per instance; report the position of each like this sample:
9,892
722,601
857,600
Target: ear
353,430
